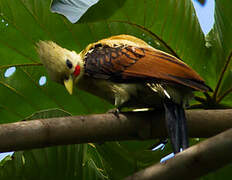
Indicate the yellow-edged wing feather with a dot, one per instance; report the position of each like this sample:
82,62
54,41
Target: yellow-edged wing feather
128,57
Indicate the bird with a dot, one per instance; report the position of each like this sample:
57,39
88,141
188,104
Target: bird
128,72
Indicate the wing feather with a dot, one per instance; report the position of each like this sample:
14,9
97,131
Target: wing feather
124,63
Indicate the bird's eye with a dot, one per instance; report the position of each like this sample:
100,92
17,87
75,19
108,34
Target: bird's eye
69,64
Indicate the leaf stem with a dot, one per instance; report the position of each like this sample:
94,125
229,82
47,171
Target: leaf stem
152,34
20,65
221,76
224,95
200,99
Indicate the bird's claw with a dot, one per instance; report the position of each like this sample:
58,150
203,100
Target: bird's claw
161,141
114,111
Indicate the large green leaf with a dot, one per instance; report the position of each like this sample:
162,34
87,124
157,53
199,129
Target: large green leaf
121,161
220,39
167,25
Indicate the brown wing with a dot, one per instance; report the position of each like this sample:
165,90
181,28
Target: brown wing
138,64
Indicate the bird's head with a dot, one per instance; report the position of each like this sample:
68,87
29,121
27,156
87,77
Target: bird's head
63,66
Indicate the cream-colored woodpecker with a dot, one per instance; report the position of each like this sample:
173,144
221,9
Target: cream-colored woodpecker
128,72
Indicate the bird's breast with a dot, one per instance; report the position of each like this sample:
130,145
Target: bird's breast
136,95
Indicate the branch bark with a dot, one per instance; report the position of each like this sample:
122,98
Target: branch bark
194,162
106,127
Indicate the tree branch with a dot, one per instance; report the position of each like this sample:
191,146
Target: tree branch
106,127
194,162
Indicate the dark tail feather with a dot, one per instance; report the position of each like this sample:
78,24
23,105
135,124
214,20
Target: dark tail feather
172,125
176,125
183,128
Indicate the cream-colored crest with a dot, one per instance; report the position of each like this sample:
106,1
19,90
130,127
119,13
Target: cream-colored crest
54,58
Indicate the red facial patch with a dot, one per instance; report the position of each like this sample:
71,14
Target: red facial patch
77,70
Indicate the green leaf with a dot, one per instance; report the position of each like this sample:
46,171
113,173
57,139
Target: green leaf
222,173
121,162
221,41
62,162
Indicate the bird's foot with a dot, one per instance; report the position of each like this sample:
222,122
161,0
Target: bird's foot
162,143
114,111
